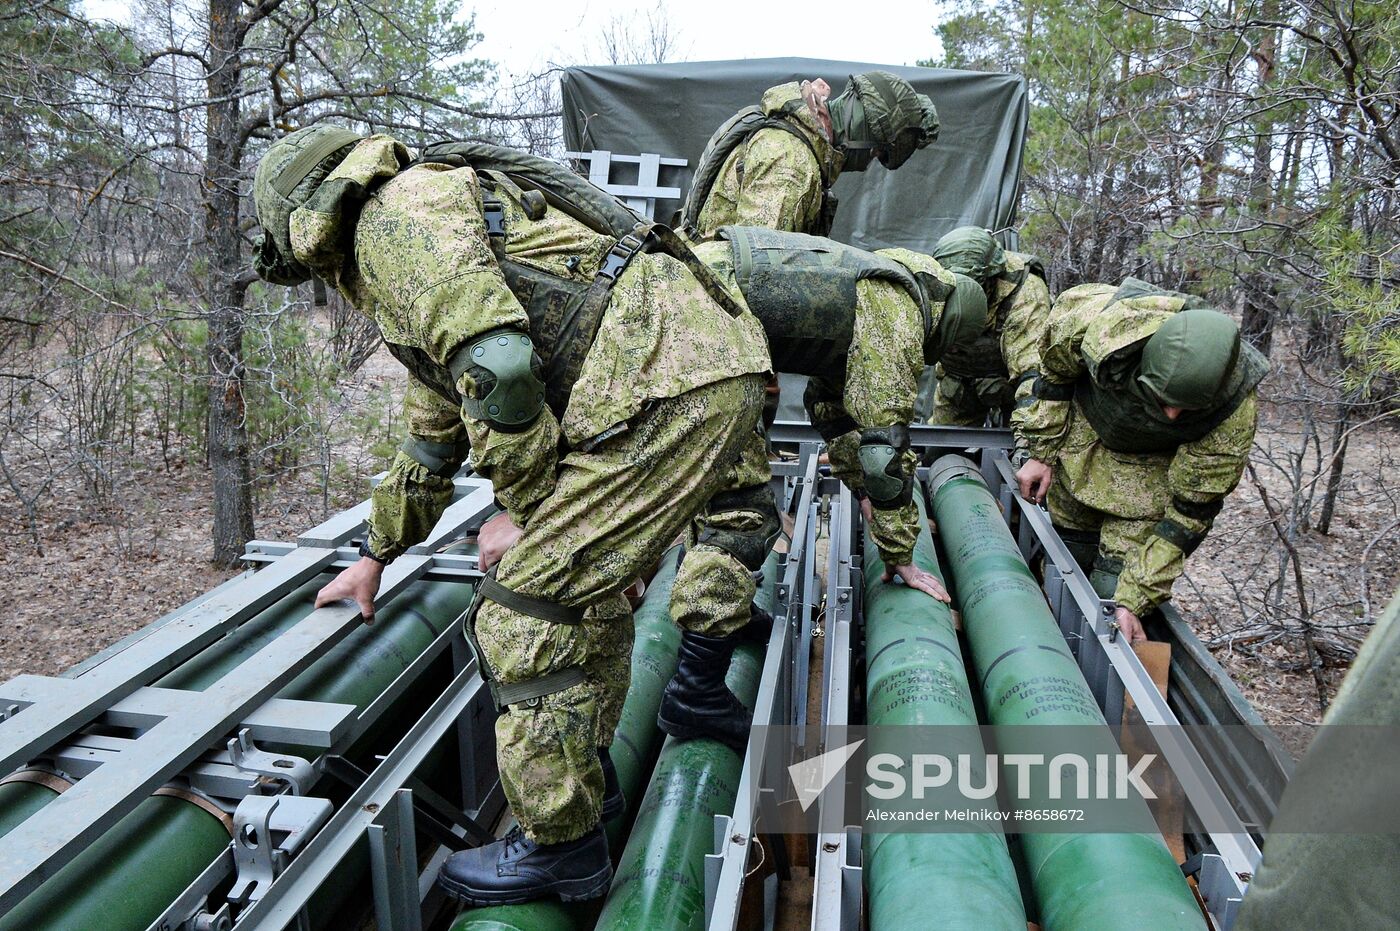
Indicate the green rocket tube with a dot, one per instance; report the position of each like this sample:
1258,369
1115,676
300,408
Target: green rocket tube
1120,880
134,871
19,800
915,676
634,747
660,880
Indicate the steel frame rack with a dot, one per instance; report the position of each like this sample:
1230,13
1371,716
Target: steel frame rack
44,717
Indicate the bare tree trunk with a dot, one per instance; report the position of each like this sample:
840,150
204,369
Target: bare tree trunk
228,435
1340,439
1257,323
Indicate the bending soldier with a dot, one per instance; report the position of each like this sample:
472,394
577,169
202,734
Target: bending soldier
994,371
773,165
646,391
1141,423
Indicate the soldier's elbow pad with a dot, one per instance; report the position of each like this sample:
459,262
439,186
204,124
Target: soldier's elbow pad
508,392
881,455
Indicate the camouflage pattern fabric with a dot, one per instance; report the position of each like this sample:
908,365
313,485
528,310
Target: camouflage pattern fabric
612,513
422,267
882,383
1125,495
713,588
771,179
1337,879
1016,324
883,365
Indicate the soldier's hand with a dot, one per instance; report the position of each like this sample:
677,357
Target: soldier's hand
867,509
915,577
359,583
495,537
1129,625
1034,480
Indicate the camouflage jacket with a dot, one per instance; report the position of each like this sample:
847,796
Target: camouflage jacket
1009,350
420,264
772,179
1184,487
880,385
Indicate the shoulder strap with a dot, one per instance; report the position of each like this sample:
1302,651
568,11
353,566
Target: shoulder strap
561,188
733,133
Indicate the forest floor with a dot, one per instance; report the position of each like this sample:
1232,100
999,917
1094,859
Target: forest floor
103,573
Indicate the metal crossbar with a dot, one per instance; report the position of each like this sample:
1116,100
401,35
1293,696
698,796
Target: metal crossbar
44,843
643,195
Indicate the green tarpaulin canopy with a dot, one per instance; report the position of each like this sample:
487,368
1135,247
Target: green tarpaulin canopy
969,176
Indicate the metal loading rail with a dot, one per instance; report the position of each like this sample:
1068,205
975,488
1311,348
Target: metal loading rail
1225,859
106,728
117,733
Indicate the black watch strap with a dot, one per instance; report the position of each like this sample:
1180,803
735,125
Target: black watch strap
366,551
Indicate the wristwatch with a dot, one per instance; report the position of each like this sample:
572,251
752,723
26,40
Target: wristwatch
366,551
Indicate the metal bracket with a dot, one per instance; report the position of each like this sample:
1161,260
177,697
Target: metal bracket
296,772
267,831
221,920
1108,610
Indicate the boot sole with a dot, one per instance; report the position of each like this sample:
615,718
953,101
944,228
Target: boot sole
690,732
568,890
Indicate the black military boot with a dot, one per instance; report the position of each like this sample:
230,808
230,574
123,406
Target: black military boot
697,703
759,626
614,803
515,869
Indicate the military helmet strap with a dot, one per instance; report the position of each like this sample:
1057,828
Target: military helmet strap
306,160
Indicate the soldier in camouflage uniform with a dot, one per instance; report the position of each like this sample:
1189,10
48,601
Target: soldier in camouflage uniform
781,159
864,325
1141,423
769,166
994,371
601,468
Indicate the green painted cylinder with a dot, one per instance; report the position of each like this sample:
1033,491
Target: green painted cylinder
633,750
19,800
136,869
915,676
545,915
1108,880
660,879
637,740
129,875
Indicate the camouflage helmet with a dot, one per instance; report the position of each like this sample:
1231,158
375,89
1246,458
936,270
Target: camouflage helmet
1187,363
971,251
899,118
964,318
286,178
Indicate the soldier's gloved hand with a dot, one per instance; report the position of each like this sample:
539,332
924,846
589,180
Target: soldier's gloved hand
1034,480
925,582
493,539
359,583
1129,625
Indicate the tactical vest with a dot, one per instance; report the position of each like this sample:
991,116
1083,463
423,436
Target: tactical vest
803,290
733,133
564,313
1125,424
982,358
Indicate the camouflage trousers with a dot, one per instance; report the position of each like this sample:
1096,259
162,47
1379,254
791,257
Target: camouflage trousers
727,544
966,402
1098,540
613,512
